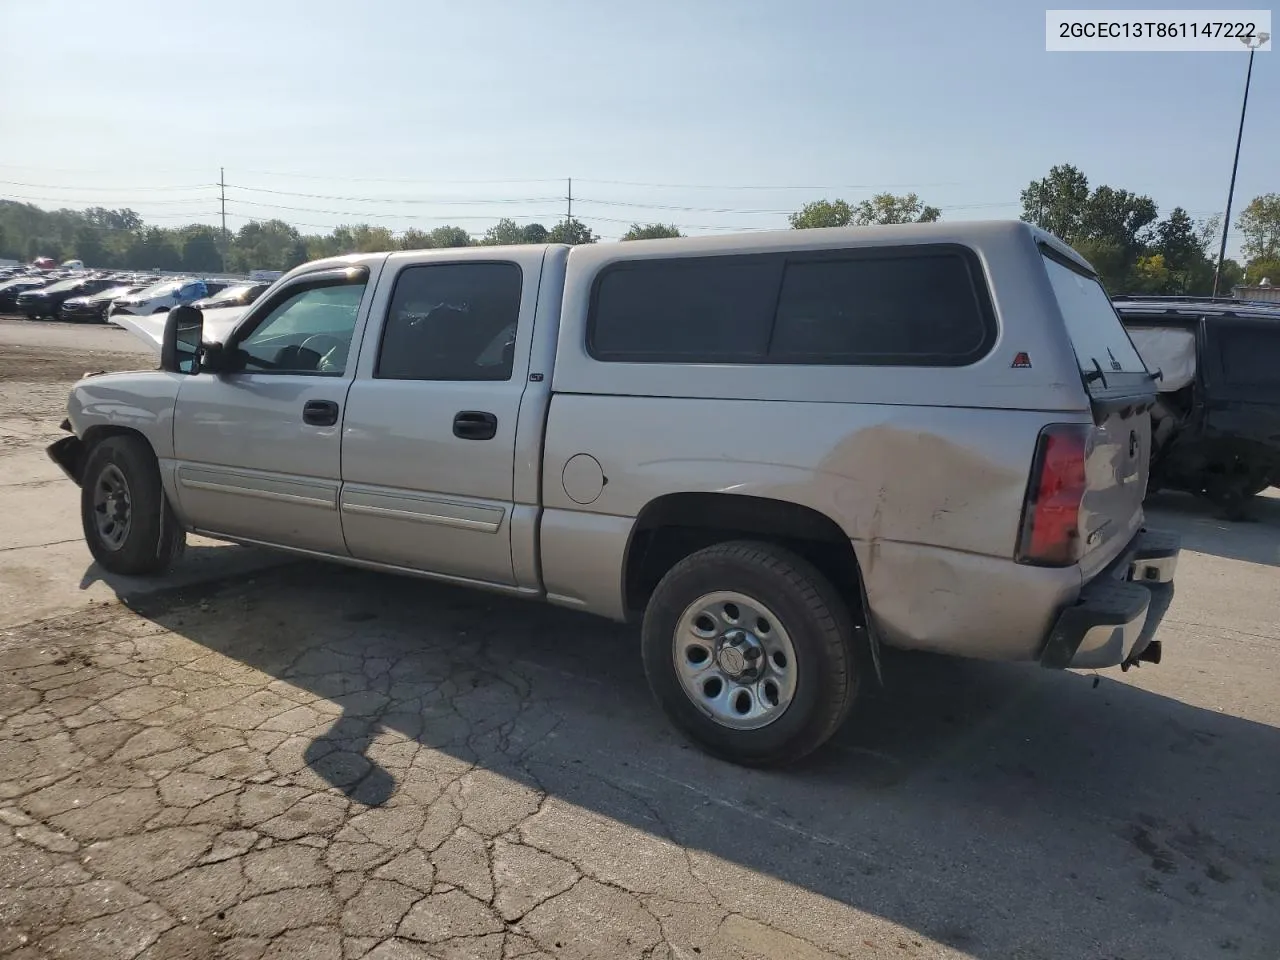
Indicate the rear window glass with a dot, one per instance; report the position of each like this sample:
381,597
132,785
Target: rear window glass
685,310
909,310
922,307
1096,333
1250,354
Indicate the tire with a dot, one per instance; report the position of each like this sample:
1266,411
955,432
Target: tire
812,690
145,537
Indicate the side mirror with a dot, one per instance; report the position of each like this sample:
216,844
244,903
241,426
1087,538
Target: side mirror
180,348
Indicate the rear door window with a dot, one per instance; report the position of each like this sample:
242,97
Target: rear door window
1095,330
1250,354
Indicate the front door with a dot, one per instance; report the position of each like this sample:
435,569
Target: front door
428,448
258,451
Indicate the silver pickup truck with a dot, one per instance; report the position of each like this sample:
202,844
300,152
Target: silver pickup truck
777,451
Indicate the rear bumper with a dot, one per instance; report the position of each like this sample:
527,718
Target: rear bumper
1113,620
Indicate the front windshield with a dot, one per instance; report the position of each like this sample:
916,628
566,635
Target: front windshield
231,293
63,285
165,289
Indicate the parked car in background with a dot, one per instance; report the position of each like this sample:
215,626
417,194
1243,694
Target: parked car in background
47,301
1215,426
73,265
238,295
776,451
10,290
164,296
93,307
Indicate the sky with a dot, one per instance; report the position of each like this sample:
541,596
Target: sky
710,114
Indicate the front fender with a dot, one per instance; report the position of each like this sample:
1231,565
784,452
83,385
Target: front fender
141,402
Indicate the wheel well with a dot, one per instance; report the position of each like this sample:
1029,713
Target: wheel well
674,526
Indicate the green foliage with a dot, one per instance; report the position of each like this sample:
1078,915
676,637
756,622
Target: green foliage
1177,241
882,208
88,245
652,231
571,231
1260,267
1057,203
1260,224
822,213
200,252
889,208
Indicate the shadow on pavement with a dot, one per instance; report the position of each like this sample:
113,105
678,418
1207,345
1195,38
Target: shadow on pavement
1204,530
1000,809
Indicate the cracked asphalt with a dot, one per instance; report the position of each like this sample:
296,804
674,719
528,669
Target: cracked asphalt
309,761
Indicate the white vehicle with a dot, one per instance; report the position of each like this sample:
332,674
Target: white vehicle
164,296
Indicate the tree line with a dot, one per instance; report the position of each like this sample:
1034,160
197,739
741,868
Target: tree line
1118,231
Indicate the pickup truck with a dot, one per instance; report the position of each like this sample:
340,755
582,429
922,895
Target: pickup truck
776,452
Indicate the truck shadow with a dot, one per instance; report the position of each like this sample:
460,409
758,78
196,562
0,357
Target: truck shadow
1204,530
999,809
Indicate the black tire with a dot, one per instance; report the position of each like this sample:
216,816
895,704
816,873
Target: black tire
809,610
151,540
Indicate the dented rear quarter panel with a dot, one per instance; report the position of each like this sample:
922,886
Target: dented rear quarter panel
924,469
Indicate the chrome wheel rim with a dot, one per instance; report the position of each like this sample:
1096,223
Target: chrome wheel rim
112,507
735,660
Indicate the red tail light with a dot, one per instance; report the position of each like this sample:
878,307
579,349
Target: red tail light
1050,533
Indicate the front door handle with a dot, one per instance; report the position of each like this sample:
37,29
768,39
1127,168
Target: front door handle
475,425
320,413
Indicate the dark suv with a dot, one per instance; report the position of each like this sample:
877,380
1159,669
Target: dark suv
1216,422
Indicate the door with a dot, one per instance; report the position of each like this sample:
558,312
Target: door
259,450
429,435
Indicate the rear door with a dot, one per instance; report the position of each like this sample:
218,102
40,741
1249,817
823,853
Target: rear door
429,435
1120,389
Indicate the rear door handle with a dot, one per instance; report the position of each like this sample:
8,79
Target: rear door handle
320,413
475,425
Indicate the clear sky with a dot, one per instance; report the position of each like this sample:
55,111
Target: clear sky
690,102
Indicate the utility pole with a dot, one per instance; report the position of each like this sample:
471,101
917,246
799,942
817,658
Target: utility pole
569,216
222,192
1252,42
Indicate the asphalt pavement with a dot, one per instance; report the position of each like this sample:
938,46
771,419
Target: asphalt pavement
268,758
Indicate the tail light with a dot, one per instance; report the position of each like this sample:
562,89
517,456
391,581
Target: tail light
1050,534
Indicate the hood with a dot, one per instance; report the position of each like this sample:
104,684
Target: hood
218,324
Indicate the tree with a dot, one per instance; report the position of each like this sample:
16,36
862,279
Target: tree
571,231
153,249
1177,242
535,233
1263,267
503,233
1057,203
822,213
299,255
1260,224
1117,216
88,247
448,236
1152,275
200,252
652,231
888,208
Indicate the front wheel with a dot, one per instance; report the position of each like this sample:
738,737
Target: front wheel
128,524
748,649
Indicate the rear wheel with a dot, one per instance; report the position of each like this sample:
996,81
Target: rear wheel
748,649
128,524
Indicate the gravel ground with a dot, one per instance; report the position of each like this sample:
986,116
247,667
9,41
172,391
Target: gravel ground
319,762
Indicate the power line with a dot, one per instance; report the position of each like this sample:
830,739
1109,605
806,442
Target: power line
765,186
55,186
392,216
330,196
